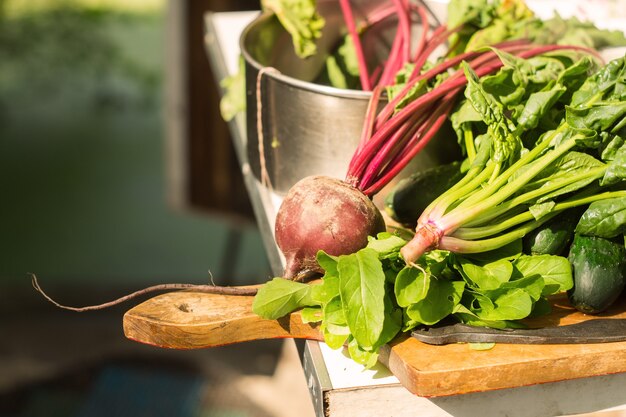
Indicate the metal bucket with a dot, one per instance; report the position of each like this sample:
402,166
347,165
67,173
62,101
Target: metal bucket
306,128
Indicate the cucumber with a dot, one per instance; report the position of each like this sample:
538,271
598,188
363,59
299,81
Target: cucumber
554,236
408,199
599,269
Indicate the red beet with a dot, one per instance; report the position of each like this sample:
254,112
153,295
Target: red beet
323,213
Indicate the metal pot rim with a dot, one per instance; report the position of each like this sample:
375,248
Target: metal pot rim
305,85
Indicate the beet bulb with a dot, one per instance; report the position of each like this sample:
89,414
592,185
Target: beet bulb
323,213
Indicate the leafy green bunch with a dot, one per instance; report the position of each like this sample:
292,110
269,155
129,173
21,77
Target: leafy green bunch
367,298
547,136
484,23
523,167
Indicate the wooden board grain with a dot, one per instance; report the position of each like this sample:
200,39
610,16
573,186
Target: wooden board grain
433,371
191,320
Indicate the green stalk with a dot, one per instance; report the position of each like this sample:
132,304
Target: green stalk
504,177
462,214
465,236
468,136
580,201
495,173
460,190
473,233
475,246
500,209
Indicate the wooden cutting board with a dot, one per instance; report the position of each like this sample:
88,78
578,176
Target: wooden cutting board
192,320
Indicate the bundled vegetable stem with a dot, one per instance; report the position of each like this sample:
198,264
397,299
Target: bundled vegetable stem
463,215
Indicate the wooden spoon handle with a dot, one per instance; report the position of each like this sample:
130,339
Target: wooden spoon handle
193,320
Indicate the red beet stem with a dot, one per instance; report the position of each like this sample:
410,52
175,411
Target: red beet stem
404,27
417,143
393,145
370,116
391,66
358,47
388,110
438,37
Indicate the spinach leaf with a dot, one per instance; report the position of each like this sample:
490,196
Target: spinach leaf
611,144
386,245
533,284
601,116
541,307
601,85
562,170
335,317
616,171
327,262
279,297
364,357
392,324
442,297
540,210
555,271
482,346
334,341
574,76
467,316
575,32
411,285
362,289
311,314
537,106
327,290
488,276
508,304
604,218
505,86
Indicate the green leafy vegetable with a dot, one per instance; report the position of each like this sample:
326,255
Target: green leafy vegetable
442,297
481,346
301,19
555,272
411,286
279,297
604,218
361,288
489,276
234,99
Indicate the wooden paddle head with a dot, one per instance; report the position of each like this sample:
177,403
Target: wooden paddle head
191,320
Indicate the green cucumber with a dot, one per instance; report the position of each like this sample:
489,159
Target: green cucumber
554,236
408,199
599,269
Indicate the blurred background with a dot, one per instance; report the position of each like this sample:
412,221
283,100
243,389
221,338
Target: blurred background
116,173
